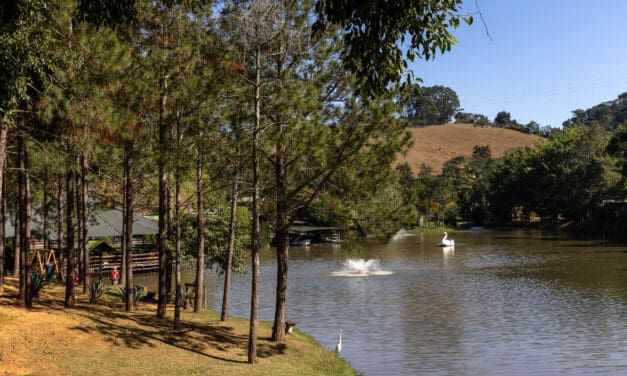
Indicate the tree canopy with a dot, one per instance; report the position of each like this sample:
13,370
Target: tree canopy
429,105
610,115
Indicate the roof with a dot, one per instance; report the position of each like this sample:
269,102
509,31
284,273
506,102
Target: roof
102,224
109,223
99,245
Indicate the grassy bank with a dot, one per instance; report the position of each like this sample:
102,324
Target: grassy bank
103,339
423,230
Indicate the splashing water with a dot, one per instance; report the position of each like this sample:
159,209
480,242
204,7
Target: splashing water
360,268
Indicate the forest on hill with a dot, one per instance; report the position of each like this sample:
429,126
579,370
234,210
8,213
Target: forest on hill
575,175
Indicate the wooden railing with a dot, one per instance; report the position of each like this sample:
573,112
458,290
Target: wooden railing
141,262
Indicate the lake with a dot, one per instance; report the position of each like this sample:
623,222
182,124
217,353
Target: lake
500,303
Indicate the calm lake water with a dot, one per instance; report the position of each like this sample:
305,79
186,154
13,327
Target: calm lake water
500,303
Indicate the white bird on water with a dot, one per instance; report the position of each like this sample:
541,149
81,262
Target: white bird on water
338,346
445,242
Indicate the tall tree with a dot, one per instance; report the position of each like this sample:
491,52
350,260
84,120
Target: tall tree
477,169
309,137
24,40
250,27
429,105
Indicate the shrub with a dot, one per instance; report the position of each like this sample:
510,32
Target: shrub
138,292
96,289
37,283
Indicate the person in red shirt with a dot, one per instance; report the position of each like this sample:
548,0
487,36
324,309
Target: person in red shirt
115,276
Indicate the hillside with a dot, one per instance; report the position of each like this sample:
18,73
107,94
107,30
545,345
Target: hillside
436,144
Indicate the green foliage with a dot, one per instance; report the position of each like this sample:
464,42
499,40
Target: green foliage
216,237
138,293
610,115
106,12
37,283
503,119
435,197
468,117
371,32
370,207
405,180
25,37
549,180
429,105
609,219
96,289
510,187
618,148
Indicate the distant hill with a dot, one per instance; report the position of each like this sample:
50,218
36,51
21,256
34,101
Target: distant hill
436,144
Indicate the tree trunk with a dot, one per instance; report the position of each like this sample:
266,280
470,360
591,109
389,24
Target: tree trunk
84,219
161,237
123,258
79,224
70,251
169,232
177,247
18,255
4,130
230,246
282,245
19,218
127,225
24,226
60,251
254,296
46,206
200,256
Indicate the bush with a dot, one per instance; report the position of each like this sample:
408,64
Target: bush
96,289
37,283
138,292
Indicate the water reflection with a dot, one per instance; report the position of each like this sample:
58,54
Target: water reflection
501,303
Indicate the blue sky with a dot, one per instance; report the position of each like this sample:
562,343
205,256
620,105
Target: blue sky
546,58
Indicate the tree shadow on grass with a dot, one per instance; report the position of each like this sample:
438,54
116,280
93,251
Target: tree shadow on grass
142,328
149,329
145,329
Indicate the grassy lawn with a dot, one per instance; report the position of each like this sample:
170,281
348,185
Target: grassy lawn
103,339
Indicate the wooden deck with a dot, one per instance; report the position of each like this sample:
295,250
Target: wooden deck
142,262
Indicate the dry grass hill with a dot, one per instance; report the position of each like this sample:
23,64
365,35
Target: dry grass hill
436,144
